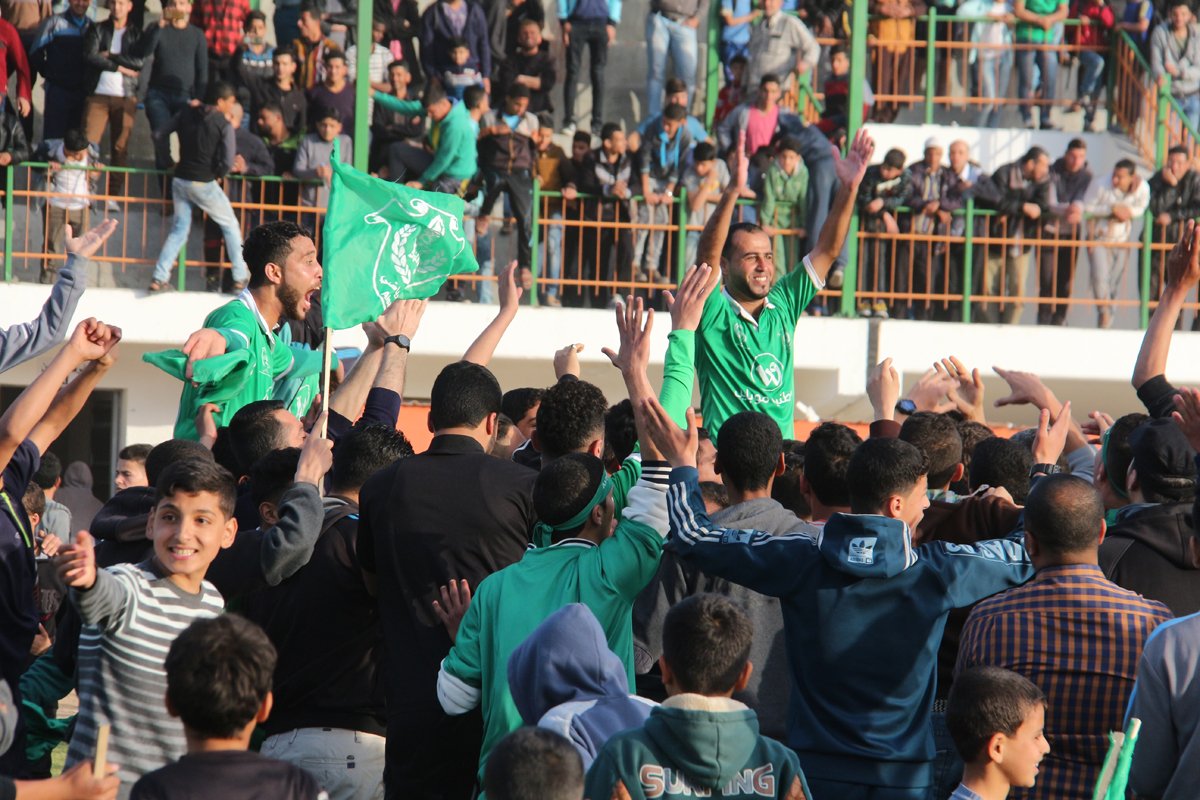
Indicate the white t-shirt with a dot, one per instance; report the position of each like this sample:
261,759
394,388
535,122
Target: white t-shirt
112,83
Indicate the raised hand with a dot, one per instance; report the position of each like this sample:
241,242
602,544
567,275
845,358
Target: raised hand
677,446
510,292
402,317
453,607
1050,440
1026,388
1187,415
883,389
86,246
742,163
967,393
1183,262
316,456
566,360
206,424
76,563
633,355
931,392
850,170
94,341
687,304
1096,426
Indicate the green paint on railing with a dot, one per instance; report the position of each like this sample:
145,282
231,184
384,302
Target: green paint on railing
535,248
931,63
968,272
712,83
681,264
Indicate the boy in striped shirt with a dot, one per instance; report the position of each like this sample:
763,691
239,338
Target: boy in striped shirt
132,614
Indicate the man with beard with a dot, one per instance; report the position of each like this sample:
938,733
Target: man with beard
284,275
743,347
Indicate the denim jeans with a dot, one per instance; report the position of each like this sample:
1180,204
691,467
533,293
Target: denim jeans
208,197
663,37
1191,108
348,764
649,243
1046,62
1091,68
947,766
993,75
161,106
590,35
554,254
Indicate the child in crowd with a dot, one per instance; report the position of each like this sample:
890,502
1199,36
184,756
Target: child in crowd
996,718
71,166
534,764
785,201
700,741
255,56
315,154
129,611
837,92
732,94
462,75
705,179
219,685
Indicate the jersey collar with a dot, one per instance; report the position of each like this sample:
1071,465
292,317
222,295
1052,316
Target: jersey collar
247,299
741,311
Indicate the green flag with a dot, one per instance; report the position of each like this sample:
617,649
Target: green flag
386,242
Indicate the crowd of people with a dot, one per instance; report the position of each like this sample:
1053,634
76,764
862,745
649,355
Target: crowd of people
566,597
463,100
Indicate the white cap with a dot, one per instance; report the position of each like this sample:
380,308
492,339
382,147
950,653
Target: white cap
932,142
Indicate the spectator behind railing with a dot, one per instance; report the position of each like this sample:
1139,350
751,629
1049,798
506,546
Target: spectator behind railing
1175,56
112,51
1070,179
1097,19
1036,21
281,89
1174,198
992,61
780,44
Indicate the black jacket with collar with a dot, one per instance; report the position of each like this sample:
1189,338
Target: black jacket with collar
12,137
97,40
1147,551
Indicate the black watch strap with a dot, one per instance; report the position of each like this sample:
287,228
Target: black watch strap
1044,469
400,340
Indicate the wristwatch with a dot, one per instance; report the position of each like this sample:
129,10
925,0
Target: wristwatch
1044,469
400,340
906,406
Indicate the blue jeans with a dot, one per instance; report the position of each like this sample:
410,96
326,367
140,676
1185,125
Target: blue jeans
1191,108
1091,67
1046,61
554,253
665,36
728,51
161,106
947,766
993,75
210,199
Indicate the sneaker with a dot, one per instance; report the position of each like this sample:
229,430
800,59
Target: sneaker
835,278
658,279
112,207
864,309
879,310
552,301
569,130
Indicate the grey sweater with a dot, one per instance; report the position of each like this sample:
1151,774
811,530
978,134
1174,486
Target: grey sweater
180,59
675,580
1165,49
19,343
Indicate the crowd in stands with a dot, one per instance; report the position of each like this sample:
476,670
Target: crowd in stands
463,100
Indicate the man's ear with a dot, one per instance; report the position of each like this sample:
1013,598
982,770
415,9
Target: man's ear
596,448
959,471
489,423
667,674
429,422
170,706
150,525
1103,531
780,465
34,521
267,513
1031,545
717,463
1131,480
894,507
995,748
274,273
264,710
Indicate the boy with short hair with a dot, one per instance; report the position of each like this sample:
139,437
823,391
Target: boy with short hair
785,183
534,764
71,166
255,56
334,91
131,466
129,611
996,719
219,685
315,154
705,179
705,660
462,74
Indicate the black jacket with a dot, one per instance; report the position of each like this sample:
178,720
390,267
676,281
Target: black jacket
1007,191
97,40
1148,551
12,137
206,144
1181,201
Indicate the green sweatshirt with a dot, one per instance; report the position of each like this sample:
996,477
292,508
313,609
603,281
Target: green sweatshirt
696,746
454,147
409,108
510,603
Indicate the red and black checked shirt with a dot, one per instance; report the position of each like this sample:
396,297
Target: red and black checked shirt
221,21
1078,636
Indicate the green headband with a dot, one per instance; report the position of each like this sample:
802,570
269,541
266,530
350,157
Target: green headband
543,533
1116,487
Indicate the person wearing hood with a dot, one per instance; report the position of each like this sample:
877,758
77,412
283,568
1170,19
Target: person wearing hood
1148,549
700,742
749,459
863,608
76,494
564,678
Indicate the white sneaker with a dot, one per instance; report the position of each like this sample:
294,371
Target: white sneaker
569,129
112,207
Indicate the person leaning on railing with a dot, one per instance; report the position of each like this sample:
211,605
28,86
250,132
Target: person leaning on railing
1070,179
1113,212
1175,56
1174,198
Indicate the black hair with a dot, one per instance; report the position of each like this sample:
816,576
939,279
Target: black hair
254,431
788,143
1179,149
324,112
1118,454
169,452
434,93
34,499
714,492
582,136
1126,165
620,430
533,764
219,90
222,451
971,433
937,437
786,489
219,673
770,77
463,395
1077,144
515,403
736,228
1001,462
894,158
571,415
881,468
837,49
272,474
135,452
273,107
333,54
456,43
193,477
749,450
985,701
364,450
516,91
827,455
608,129
705,151
675,113
75,141
285,50
49,471
1033,154
473,96
564,487
738,59
706,641
312,8
1064,514
545,120
674,86
398,64
253,16
269,243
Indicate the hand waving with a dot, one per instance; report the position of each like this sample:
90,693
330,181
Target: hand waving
86,246
453,607
1183,262
633,356
850,170
967,394
687,304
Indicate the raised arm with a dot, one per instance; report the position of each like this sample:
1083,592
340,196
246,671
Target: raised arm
1182,273
716,230
850,171
484,347
70,399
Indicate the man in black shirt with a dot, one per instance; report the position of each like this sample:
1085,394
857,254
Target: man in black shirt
283,91
451,512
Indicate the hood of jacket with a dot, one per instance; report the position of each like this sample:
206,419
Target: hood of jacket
123,518
1165,528
708,739
77,476
763,514
565,659
867,545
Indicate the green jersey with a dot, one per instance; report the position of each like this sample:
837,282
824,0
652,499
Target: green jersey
273,357
745,364
510,603
1035,34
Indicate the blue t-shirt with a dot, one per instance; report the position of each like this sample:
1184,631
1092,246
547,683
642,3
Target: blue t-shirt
18,571
737,34
1136,11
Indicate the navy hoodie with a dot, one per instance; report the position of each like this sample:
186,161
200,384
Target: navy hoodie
863,613
565,678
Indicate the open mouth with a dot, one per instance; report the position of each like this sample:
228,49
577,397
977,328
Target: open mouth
307,304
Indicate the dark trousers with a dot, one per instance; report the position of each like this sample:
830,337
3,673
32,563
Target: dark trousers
518,188
593,35
222,68
406,162
161,106
595,248
1056,267
432,756
63,111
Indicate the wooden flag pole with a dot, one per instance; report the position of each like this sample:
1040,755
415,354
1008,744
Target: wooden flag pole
100,764
325,382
